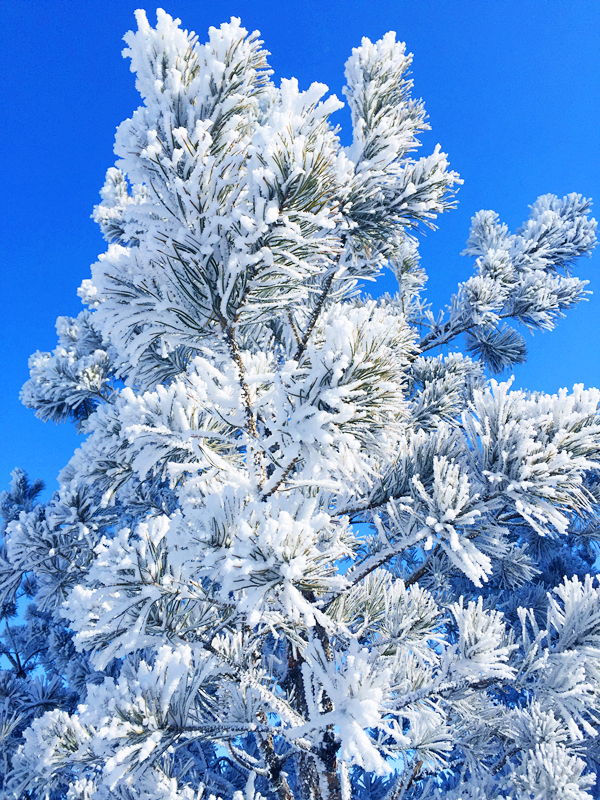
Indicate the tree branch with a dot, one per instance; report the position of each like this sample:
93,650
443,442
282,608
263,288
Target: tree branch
250,420
418,574
431,339
273,762
314,316
294,328
284,475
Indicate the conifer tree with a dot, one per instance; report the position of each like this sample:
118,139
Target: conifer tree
302,552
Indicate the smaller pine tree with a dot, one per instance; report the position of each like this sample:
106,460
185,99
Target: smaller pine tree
301,554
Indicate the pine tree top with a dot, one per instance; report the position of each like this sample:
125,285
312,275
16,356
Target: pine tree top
307,549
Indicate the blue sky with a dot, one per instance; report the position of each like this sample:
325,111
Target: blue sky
512,88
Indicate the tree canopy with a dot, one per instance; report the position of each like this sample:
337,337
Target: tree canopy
308,548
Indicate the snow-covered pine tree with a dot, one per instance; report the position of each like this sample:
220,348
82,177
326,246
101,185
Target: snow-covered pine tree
300,554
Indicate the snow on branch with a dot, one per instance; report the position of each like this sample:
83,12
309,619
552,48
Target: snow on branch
298,555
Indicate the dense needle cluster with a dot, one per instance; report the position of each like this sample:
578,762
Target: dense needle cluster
300,554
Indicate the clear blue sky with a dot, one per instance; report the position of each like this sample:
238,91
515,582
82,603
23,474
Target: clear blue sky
512,88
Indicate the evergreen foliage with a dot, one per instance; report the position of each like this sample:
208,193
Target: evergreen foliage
300,554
